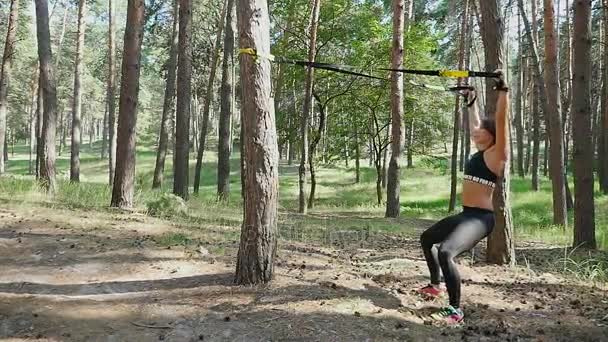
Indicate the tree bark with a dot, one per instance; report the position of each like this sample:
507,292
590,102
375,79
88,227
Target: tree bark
501,249
225,122
168,102
519,107
77,108
308,107
207,104
457,107
584,209
123,187
393,204
603,153
312,150
410,144
539,88
39,125
104,134
49,91
184,96
111,91
258,246
34,123
5,73
357,156
553,114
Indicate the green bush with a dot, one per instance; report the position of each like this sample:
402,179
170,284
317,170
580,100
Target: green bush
167,205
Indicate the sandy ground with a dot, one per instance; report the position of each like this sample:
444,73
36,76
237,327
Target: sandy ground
104,276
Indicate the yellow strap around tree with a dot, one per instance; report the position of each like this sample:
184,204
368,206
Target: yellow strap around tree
454,73
255,54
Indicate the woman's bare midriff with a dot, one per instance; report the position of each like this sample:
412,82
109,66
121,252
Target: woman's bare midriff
477,195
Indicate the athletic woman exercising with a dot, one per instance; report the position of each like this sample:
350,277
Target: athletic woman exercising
456,234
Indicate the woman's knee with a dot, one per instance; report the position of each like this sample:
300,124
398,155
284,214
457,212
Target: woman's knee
426,239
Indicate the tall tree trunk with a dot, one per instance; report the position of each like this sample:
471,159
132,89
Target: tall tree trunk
554,117
208,101
111,91
104,134
5,154
62,129
227,91
39,126
410,144
393,205
76,111
184,96
535,139
60,107
603,151
308,107
49,91
457,107
258,247
501,249
123,187
312,150
9,47
519,107
539,87
357,156
34,122
584,210
168,102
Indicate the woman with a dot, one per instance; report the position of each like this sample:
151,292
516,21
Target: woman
459,233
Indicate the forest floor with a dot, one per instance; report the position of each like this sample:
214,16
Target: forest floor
99,275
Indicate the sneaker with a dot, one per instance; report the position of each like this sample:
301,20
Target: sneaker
431,291
449,315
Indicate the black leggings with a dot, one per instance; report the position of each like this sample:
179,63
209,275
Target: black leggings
455,235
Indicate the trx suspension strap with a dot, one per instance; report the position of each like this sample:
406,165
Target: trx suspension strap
351,70
343,69
447,73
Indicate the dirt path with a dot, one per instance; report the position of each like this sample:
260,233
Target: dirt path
90,276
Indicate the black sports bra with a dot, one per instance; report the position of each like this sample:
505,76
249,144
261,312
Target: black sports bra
477,171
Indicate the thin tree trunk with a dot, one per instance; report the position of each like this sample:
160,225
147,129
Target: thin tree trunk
184,96
457,107
49,91
76,111
39,126
258,247
294,114
584,209
34,123
308,107
393,204
313,149
208,101
104,134
7,58
410,144
357,156
169,102
123,187
61,122
60,107
111,91
554,118
225,121
519,129
603,155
